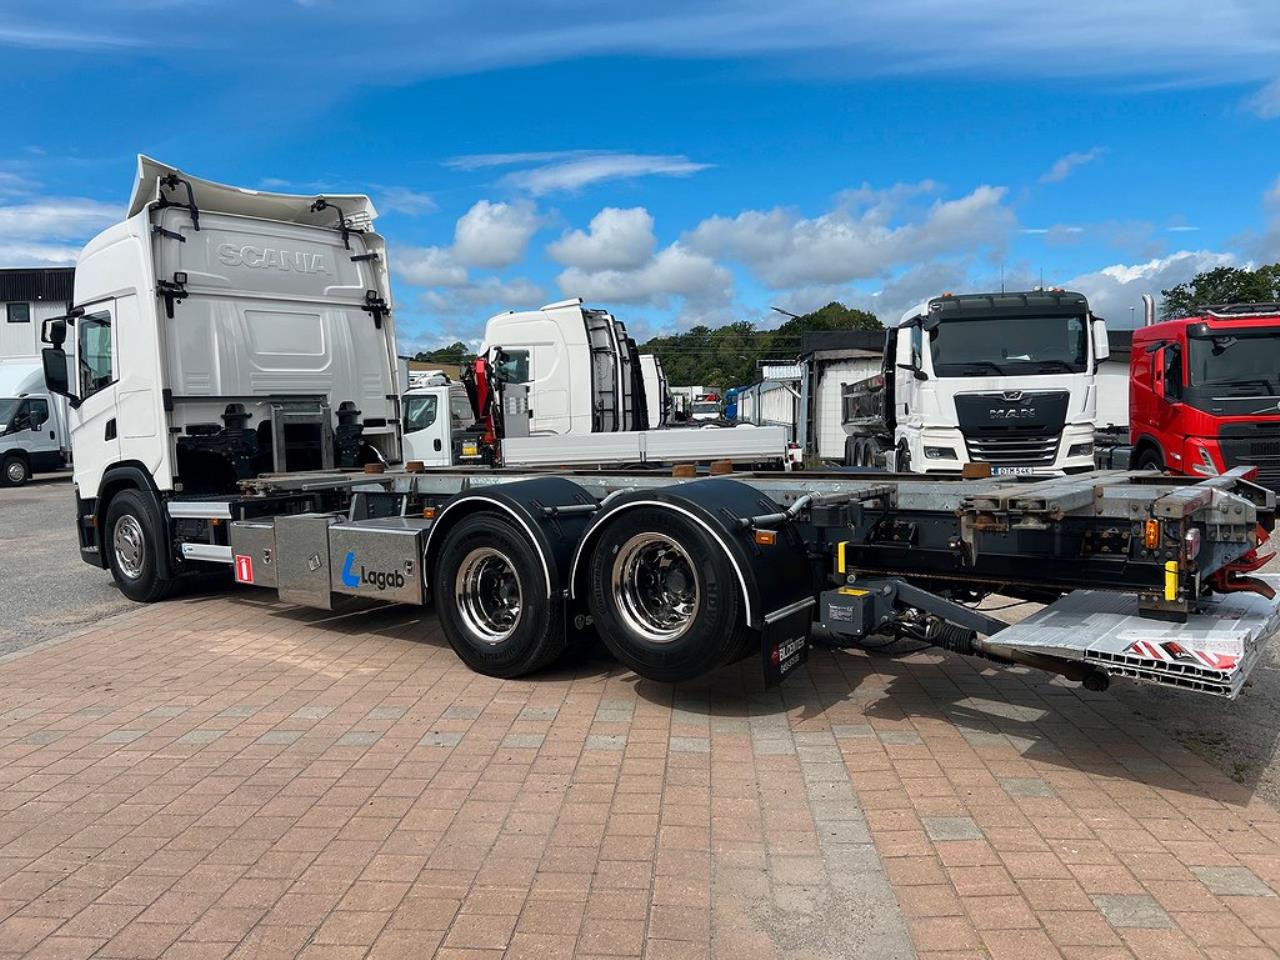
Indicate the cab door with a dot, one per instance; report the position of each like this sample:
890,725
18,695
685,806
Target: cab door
427,433
94,420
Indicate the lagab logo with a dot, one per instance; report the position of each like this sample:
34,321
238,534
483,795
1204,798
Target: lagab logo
374,578
268,258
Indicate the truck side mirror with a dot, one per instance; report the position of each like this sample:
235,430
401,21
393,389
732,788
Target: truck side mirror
56,377
54,331
1101,345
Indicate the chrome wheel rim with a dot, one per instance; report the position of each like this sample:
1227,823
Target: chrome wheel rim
17,471
488,595
655,587
129,546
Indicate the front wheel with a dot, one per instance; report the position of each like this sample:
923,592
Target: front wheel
1150,460
491,597
133,546
664,596
15,471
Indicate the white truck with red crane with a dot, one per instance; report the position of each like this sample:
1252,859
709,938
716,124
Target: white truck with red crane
230,367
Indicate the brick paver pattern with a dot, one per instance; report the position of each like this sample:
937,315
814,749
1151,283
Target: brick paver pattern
224,776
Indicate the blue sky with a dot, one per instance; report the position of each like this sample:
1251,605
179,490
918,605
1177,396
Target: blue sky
681,162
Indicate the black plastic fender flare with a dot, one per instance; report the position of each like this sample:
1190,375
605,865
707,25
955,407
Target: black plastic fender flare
131,475
551,512
773,579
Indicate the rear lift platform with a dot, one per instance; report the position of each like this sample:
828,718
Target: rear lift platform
1212,652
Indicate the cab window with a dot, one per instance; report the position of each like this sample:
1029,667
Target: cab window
513,367
93,353
419,413
37,413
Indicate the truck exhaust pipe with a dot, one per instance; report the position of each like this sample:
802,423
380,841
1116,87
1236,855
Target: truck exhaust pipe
1148,309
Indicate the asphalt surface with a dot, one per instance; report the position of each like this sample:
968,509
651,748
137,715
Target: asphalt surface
48,592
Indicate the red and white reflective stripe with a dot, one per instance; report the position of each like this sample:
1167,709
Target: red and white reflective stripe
1218,661
1148,649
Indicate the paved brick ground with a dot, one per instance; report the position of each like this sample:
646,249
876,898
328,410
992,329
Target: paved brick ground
224,777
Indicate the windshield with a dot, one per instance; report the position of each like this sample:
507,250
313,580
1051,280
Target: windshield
1015,346
8,407
706,408
1247,362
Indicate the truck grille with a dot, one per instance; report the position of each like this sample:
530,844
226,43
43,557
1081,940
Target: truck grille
1014,449
1260,452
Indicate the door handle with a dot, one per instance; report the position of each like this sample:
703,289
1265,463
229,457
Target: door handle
437,443
109,433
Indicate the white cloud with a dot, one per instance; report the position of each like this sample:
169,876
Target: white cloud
1114,289
576,172
1170,40
1265,103
1065,165
615,240
403,200
674,271
38,254
854,241
480,161
56,218
516,293
428,267
494,234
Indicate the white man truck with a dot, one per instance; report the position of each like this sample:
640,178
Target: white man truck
1005,379
33,424
230,368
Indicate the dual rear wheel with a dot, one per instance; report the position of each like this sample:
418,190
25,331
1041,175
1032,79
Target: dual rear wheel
663,595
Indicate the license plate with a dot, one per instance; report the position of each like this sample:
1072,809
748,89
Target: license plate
1012,471
470,449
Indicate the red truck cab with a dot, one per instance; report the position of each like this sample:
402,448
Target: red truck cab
1204,392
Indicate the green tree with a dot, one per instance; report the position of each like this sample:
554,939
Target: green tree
728,356
1222,285
455,353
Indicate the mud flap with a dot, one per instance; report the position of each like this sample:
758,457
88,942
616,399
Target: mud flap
784,641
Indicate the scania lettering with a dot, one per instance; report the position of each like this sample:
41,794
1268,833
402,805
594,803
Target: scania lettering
248,256
250,421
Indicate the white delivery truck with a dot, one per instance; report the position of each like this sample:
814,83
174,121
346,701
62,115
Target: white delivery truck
229,360
33,424
1005,379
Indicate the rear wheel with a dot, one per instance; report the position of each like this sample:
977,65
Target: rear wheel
664,596
15,471
491,597
133,544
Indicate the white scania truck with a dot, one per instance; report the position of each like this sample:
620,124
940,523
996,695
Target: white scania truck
564,384
1005,379
230,366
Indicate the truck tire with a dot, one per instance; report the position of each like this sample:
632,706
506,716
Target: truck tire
490,595
15,471
1150,459
664,596
133,544
851,452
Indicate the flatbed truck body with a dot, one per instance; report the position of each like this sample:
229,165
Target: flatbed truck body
230,367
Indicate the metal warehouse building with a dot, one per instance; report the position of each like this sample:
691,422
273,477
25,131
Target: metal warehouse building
28,296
